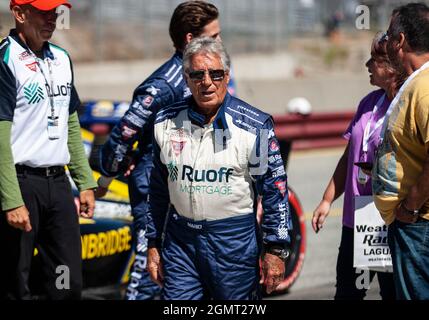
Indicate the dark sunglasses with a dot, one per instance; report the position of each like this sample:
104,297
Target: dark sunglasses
215,75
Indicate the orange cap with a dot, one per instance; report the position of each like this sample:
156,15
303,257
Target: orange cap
43,5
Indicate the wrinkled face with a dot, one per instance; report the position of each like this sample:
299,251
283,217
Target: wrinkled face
378,70
212,30
39,25
210,91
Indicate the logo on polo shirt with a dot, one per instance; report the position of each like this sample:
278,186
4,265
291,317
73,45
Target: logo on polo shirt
33,93
24,56
32,66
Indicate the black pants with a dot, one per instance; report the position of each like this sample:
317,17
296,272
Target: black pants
56,235
347,275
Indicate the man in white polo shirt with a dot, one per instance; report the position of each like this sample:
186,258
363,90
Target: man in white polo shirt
39,135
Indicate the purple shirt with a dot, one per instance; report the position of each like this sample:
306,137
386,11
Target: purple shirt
354,134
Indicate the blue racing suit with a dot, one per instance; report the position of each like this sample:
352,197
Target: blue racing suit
164,87
203,193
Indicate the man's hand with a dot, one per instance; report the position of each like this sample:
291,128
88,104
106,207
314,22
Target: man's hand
130,169
404,216
87,204
130,164
319,215
273,272
19,218
154,266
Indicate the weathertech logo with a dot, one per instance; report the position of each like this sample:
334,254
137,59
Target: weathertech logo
33,93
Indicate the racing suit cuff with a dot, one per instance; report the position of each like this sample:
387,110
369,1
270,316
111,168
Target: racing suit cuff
154,243
104,182
268,245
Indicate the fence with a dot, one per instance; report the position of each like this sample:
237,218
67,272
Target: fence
317,130
136,29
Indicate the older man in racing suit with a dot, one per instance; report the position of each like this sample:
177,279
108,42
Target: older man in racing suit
164,87
213,155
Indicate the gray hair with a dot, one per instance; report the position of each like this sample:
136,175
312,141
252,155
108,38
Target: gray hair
205,45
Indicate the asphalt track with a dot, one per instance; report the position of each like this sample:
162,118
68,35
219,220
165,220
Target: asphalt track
308,174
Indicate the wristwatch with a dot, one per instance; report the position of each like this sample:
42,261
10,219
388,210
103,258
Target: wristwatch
104,182
414,212
279,251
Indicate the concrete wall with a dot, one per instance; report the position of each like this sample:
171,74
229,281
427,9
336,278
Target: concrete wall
266,81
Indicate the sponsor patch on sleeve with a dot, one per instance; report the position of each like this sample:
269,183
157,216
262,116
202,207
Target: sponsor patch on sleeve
127,132
274,146
147,101
281,185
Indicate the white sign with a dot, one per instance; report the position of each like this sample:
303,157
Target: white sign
371,250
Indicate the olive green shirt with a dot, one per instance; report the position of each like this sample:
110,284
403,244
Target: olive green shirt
10,194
